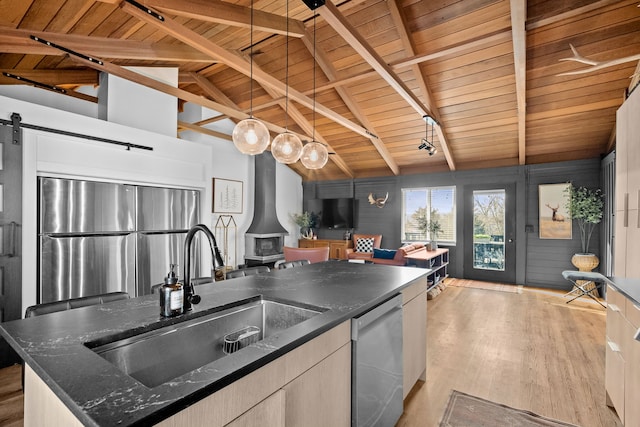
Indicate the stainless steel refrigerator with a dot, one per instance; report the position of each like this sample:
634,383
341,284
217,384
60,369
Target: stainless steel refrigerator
98,237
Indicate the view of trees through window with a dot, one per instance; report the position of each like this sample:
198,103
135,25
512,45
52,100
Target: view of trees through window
488,230
422,205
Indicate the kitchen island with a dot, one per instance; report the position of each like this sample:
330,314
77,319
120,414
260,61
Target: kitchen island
62,371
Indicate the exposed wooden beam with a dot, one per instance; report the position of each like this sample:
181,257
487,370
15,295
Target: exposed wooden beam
221,12
211,90
417,59
203,130
18,41
407,42
518,20
53,77
143,80
331,73
308,127
335,19
239,64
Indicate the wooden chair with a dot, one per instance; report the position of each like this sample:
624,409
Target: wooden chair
249,271
312,254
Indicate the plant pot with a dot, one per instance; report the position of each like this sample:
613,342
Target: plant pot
586,262
433,245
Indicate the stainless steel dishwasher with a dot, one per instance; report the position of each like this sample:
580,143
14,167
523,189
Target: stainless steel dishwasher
376,374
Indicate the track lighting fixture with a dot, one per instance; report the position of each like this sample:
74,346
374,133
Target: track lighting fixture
425,144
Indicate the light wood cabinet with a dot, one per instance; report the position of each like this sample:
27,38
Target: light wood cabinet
632,366
269,412
622,369
627,219
259,398
337,248
614,362
321,396
414,335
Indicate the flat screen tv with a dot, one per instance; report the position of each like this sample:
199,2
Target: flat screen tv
337,213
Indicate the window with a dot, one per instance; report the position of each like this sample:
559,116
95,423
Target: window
421,205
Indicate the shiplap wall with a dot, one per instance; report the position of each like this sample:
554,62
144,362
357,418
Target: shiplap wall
539,261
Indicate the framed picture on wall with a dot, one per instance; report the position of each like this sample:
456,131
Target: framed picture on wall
555,222
227,196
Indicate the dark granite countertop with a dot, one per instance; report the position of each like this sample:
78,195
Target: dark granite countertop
629,287
100,394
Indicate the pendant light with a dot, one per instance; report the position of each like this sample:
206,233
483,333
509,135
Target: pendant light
314,154
251,136
286,147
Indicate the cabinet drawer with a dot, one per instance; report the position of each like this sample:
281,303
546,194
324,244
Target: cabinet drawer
632,312
616,301
614,378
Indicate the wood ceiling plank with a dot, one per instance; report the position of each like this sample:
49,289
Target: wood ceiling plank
331,14
69,15
40,14
540,19
239,64
230,14
13,12
400,22
331,73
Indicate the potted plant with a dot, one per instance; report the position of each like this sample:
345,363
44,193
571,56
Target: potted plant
585,206
306,221
435,229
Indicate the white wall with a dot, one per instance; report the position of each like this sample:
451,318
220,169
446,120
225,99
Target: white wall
229,163
130,104
51,99
189,162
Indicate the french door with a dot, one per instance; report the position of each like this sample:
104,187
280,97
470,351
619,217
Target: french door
489,233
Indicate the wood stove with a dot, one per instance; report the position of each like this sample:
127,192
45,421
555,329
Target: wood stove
264,240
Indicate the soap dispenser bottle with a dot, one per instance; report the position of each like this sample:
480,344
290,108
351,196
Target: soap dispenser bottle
171,294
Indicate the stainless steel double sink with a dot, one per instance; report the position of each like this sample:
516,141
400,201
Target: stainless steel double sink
158,356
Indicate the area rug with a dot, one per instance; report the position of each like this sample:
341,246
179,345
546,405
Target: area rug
464,410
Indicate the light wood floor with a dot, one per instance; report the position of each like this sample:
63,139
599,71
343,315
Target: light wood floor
527,350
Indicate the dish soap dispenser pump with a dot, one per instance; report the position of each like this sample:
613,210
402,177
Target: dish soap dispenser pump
171,294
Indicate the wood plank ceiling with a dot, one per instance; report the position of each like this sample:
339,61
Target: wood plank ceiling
490,72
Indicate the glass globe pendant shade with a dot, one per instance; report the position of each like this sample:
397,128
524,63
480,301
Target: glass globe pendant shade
286,148
314,155
251,136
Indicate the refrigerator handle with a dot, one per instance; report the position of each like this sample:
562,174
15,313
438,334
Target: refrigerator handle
13,237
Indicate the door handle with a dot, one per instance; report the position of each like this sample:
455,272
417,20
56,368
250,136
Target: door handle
510,240
12,239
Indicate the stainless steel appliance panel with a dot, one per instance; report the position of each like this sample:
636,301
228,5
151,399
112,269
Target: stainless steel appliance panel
160,209
156,251
72,206
78,266
377,365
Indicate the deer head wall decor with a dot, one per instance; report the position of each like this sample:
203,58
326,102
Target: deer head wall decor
378,201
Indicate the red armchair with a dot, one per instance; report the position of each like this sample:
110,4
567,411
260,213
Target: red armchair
354,253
